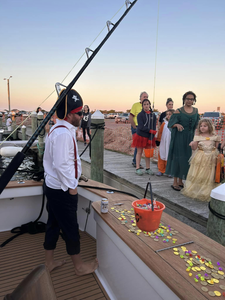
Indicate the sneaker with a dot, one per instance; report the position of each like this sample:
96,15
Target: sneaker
85,143
139,172
159,174
149,172
170,176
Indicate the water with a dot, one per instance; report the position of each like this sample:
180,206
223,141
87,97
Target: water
26,171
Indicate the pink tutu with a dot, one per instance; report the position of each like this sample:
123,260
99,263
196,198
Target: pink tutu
142,142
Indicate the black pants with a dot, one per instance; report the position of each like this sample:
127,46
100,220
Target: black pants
84,133
84,137
62,214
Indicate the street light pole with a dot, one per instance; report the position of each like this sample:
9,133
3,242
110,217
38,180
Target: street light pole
8,91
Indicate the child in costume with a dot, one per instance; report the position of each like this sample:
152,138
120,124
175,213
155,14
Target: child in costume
201,175
163,141
144,137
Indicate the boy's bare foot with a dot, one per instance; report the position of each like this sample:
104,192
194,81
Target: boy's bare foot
55,264
86,267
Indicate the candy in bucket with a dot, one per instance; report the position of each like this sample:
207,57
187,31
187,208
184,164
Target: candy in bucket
148,212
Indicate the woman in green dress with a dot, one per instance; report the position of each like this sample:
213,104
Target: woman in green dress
183,123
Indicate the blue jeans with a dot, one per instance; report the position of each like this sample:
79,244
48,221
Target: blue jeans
133,131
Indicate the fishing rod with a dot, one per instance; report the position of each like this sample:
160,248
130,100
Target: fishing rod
19,157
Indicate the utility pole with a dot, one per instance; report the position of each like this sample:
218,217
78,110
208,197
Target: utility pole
8,91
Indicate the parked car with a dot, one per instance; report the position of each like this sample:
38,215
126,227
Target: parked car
111,116
124,118
118,118
22,112
216,117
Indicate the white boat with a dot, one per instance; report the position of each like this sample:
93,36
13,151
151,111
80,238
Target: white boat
130,266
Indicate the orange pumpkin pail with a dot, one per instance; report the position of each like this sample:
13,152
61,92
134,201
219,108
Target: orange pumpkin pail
149,152
147,220
148,212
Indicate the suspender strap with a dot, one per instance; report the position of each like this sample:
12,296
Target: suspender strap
75,152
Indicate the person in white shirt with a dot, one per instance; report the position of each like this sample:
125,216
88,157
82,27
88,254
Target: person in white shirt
9,123
62,167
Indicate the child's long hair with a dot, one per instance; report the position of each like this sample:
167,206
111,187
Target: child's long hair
170,110
209,124
87,108
146,100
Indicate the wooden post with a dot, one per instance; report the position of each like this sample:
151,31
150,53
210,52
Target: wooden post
34,121
1,134
6,116
216,223
1,125
41,144
24,128
97,147
14,135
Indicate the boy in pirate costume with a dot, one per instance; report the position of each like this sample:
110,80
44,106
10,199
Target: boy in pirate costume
62,167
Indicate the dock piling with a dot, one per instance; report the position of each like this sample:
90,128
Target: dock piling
97,146
24,128
216,220
41,144
34,121
1,125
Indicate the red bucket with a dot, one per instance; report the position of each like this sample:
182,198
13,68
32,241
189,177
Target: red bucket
148,220
149,152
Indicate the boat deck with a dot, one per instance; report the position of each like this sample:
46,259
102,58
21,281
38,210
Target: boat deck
20,256
170,267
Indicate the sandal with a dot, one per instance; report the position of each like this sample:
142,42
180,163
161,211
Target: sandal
176,188
181,185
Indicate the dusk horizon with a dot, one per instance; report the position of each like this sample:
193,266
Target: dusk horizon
45,42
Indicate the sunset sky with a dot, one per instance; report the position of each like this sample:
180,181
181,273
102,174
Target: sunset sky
42,41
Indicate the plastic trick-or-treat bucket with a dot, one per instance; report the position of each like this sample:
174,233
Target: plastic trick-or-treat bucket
149,152
148,220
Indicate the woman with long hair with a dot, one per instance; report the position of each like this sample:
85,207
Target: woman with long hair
183,123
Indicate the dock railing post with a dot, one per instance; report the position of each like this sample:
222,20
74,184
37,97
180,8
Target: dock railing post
23,129
6,116
1,125
41,144
14,135
216,220
97,146
33,121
